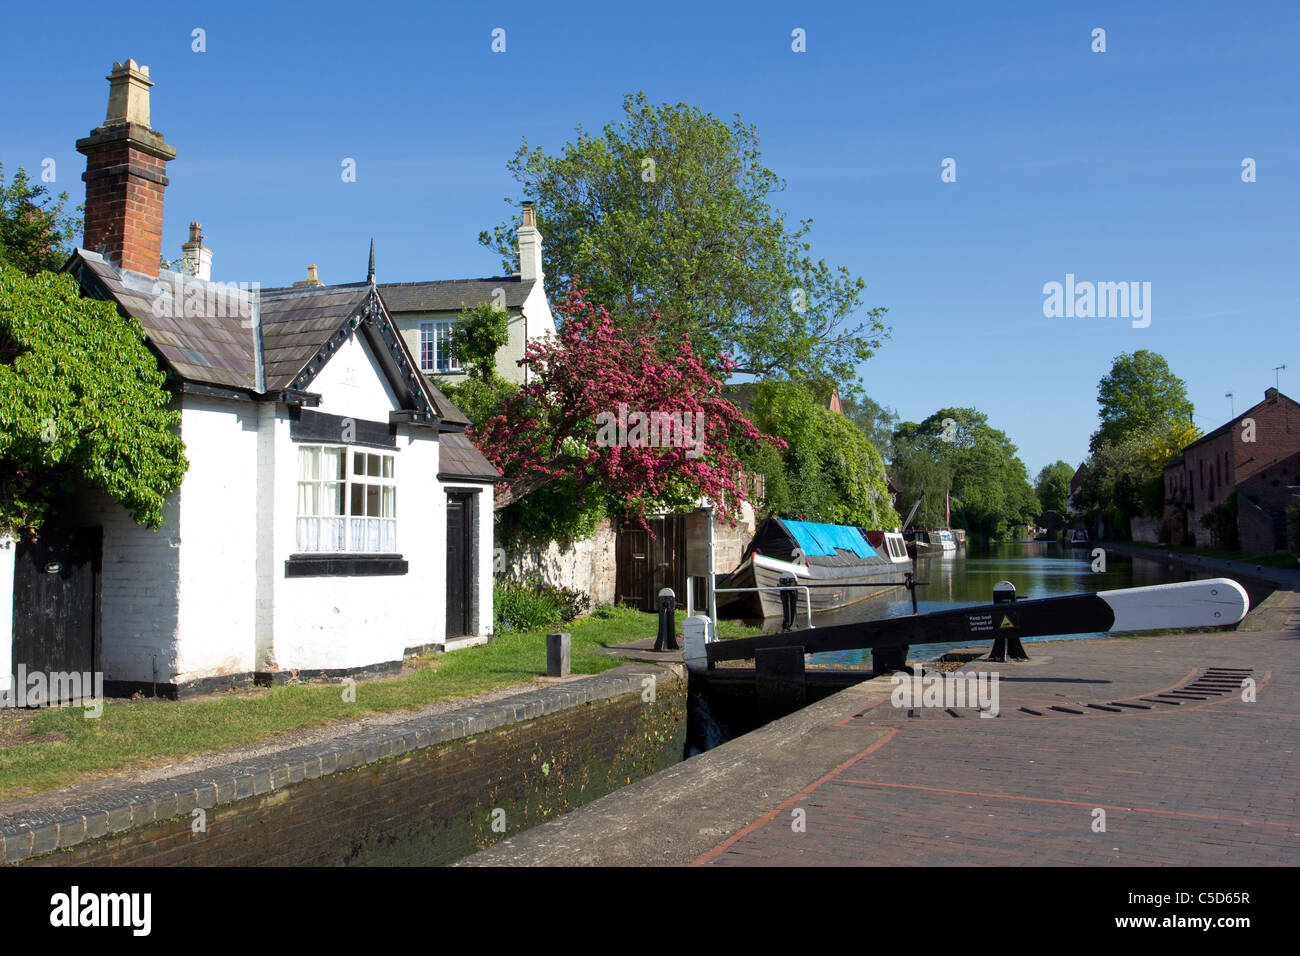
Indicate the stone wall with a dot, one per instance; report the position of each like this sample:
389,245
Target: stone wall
586,565
1145,530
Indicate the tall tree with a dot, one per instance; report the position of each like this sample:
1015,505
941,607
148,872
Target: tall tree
35,233
987,485
1139,392
828,470
875,420
82,402
666,218
1053,486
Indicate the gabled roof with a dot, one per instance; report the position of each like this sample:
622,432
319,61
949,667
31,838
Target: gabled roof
263,342
1271,395
451,295
296,322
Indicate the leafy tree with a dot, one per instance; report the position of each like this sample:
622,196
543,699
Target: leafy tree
1139,391
828,470
565,425
876,421
666,218
1125,478
1053,486
476,336
986,484
82,400
35,233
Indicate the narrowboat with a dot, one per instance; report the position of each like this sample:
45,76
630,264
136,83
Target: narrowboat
839,557
1078,538
926,543
888,543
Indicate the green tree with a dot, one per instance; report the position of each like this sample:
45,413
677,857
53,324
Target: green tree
986,484
476,336
876,421
829,471
35,233
1140,391
666,219
82,400
1053,486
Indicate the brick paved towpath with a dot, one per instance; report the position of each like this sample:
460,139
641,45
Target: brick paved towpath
1153,732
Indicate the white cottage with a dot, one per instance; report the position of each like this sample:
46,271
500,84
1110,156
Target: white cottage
335,516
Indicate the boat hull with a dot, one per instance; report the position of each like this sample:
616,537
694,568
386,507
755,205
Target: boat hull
851,585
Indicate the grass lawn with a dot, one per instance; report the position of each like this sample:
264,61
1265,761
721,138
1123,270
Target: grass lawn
48,749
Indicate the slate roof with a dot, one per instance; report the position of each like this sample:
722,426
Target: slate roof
216,347
296,322
451,295
217,343
459,458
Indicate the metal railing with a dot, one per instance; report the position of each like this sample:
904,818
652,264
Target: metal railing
807,595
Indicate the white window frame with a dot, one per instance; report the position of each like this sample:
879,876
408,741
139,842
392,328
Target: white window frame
360,533
434,357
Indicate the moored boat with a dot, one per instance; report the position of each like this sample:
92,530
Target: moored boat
889,544
1078,538
837,560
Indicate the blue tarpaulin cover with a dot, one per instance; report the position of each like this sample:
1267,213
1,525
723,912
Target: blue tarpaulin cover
823,539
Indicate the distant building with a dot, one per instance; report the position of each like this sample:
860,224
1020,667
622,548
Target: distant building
1253,455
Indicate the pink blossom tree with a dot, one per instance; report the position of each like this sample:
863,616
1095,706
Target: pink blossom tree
643,426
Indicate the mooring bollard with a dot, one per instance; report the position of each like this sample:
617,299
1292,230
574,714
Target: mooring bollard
789,600
667,639
698,631
1005,638
557,654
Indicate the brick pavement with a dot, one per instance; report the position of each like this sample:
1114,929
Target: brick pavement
1201,777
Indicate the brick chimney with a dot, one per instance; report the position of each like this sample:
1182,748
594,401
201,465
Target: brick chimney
126,167
530,246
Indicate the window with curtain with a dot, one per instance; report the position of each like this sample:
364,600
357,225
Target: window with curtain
347,500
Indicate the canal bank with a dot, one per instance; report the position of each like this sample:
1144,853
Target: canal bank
426,790
1101,755
1288,578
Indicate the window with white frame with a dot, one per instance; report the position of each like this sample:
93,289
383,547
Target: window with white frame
435,355
347,500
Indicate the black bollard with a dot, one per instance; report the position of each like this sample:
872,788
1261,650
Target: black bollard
789,601
667,639
1005,638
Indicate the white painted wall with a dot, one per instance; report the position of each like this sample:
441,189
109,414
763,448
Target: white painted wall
7,546
139,599
351,384
330,623
217,591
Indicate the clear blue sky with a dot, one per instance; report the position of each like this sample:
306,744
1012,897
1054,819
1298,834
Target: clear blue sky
1115,166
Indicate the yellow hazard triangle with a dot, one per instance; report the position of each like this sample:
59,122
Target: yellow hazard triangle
1006,622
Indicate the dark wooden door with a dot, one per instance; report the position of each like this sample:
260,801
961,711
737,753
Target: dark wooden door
646,561
56,602
461,562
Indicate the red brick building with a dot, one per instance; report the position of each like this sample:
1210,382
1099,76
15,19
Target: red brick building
1240,456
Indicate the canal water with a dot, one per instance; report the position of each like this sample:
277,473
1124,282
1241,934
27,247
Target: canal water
963,578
